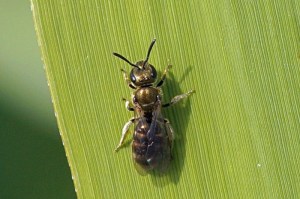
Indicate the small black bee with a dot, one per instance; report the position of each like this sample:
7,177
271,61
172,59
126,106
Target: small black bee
153,134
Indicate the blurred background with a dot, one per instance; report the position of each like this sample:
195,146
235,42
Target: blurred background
33,163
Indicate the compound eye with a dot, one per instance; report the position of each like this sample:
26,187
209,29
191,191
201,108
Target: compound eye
153,72
132,77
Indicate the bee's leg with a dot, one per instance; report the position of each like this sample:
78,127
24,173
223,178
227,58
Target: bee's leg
124,133
127,79
127,105
170,131
177,98
163,77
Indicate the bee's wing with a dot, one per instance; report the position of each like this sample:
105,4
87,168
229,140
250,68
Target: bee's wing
137,112
140,169
158,152
154,127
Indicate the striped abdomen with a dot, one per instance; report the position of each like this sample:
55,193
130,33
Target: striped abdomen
151,149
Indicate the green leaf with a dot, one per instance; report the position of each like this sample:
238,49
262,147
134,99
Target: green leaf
236,137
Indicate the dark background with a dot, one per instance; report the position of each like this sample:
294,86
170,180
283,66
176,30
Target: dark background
33,163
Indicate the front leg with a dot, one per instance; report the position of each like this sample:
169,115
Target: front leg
125,132
129,83
163,77
177,98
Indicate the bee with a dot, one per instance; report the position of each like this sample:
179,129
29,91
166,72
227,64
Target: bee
153,134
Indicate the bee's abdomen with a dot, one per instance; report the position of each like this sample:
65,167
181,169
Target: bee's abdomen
140,144
150,153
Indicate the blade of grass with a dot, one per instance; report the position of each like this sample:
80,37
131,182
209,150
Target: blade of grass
237,137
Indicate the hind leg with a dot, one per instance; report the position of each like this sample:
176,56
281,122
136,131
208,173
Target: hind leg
124,133
170,132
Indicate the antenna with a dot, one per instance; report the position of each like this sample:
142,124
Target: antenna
123,58
149,51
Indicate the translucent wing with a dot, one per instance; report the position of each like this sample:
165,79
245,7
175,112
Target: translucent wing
151,143
159,149
139,168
